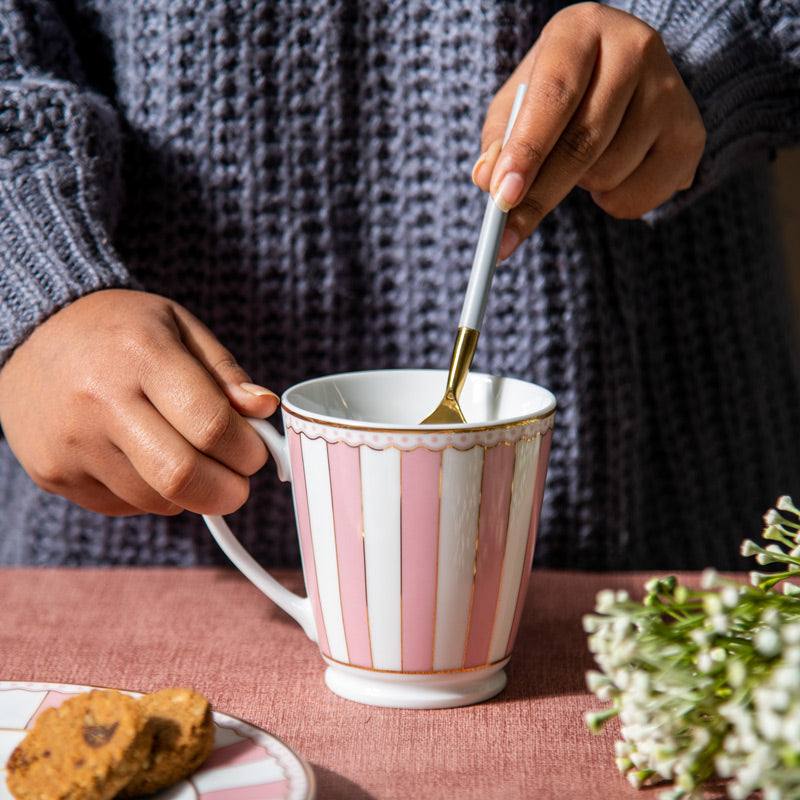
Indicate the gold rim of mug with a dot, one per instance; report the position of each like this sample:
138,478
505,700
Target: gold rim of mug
500,426
476,668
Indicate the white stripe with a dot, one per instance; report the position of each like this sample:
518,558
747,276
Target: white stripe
458,528
180,791
320,512
225,736
519,523
8,741
380,487
253,774
17,706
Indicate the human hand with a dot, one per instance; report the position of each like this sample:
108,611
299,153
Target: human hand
125,403
605,110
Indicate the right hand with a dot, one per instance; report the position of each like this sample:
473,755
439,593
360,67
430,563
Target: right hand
125,403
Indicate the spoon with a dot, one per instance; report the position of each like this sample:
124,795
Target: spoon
480,281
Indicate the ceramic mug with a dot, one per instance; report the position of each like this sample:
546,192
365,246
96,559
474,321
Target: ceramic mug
416,540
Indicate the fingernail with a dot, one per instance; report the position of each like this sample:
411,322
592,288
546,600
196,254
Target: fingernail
482,171
510,191
258,391
478,164
508,244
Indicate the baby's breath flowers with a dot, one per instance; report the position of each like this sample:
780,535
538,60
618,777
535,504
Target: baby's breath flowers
706,682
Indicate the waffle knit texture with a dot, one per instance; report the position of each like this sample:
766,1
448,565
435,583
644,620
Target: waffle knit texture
297,175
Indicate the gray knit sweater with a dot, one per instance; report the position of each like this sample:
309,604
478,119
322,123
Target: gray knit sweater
297,174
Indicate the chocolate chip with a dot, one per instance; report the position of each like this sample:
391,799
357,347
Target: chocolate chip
17,761
46,754
98,735
79,763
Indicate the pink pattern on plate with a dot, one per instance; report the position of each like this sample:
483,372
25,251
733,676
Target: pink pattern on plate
244,752
262,791
51,700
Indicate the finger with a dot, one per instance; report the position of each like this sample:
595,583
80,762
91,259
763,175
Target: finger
632,142
585,138
171,466
560,73
116,472
482,171
92,495
652,184
247,397
193,403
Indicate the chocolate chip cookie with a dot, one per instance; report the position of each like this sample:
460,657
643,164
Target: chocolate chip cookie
88,748
182,730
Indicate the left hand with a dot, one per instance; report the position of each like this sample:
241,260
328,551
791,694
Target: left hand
605,110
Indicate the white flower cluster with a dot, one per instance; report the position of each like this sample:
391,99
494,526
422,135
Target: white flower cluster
651,683
762,750
707,682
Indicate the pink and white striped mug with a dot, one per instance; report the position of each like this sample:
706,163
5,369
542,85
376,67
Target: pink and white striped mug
416,540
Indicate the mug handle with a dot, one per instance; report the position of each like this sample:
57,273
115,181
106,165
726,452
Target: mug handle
299,608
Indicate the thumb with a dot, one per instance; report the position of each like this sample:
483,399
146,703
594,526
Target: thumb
246,397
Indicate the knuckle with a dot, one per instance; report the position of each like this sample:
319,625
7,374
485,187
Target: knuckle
226,363
91,390
235,497
580,141
527,154
697,136
597,182
258,461
137,344
578,13
529,213
648,42
177,476
620,208
216,427
165,508
50,474
602,176
589,13
557,91
671,86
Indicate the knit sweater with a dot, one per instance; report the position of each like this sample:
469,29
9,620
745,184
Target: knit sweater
297,175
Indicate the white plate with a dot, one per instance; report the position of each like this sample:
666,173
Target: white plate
246,763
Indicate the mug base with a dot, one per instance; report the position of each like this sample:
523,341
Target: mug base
415,690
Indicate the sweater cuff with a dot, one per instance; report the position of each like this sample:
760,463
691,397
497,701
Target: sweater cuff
53,250
741,63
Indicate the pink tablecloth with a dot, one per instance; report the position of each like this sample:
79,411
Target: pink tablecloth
209,628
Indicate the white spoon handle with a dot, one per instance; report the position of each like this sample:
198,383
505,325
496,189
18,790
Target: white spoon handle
485,260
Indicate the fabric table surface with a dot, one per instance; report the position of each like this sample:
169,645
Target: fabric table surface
142,629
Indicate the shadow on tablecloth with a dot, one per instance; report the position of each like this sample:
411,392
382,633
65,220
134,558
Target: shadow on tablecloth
332,786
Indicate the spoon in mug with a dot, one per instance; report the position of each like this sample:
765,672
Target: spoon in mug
480,281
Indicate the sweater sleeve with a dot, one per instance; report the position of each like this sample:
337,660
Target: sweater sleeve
740,60
59,174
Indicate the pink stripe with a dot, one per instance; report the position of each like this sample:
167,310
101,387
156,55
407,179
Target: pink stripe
345,472
498,473
419,509
304,526
244,752
51,700
538,493
263,791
